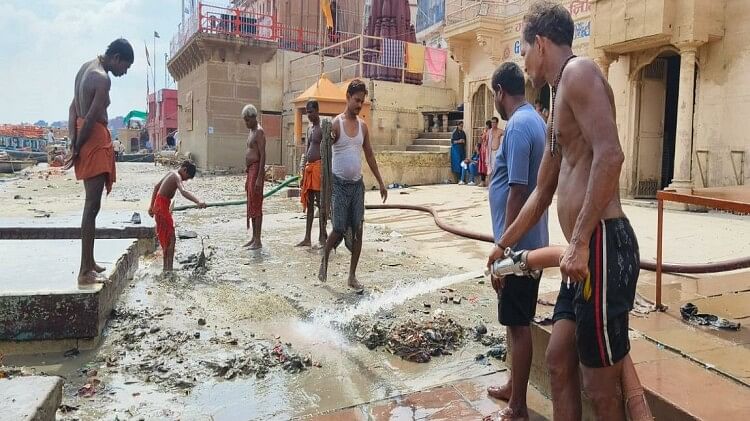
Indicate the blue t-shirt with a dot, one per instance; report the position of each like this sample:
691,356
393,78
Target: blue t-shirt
517,162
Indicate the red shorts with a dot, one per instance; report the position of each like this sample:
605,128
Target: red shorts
164,221
254,199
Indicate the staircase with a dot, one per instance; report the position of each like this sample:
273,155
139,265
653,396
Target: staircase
435,141
431,142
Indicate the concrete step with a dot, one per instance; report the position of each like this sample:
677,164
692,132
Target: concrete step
667,375
434,135
30,398
428,148
432,142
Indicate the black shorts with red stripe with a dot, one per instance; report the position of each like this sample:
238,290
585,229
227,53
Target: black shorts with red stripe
600,305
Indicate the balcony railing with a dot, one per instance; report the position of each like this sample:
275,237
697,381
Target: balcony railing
356,56
238,22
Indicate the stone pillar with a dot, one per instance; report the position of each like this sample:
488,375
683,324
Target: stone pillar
444,125
603,60
683,153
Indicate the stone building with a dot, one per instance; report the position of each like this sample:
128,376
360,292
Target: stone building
678,69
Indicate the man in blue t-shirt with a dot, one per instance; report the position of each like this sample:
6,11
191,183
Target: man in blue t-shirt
516,167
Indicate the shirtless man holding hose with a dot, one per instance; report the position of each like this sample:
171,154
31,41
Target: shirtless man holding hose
582,162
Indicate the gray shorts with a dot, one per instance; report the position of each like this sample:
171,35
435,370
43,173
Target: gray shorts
348,204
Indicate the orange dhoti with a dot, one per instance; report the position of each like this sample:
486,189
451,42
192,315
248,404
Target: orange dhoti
96,156
254,198
164,221
311,181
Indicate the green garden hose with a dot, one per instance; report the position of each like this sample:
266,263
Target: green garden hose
241,202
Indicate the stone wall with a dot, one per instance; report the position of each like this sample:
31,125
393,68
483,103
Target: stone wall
722,100
409,168
397,111
191,116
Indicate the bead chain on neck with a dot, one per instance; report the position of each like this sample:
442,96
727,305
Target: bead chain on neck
553,140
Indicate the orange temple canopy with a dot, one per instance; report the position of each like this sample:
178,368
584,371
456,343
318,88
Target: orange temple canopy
331,101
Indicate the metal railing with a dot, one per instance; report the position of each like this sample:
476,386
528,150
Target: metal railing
358,56
239,22
459,11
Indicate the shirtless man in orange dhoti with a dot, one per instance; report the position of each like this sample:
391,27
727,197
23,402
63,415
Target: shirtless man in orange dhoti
311,180
161,200
92,153
255,162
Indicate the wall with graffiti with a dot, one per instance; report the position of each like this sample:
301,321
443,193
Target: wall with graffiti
581,13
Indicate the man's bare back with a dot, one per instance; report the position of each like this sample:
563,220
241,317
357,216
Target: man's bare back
252,154
91,77
170,184
576,151
315,136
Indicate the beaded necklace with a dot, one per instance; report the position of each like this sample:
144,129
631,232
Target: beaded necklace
553,141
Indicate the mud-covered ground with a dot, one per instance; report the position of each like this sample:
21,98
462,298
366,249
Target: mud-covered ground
255,335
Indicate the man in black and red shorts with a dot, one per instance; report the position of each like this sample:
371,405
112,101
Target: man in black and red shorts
582,164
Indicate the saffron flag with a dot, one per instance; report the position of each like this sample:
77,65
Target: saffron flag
325,7
414,58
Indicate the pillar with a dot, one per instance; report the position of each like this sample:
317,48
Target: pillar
603,60
683,153
444,123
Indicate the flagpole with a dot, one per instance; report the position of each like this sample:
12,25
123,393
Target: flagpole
157,124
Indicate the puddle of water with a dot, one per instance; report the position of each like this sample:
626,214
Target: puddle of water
389,299
247,399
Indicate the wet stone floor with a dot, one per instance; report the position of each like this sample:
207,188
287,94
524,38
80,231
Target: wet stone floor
255,335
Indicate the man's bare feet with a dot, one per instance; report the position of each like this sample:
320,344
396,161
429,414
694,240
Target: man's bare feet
321,245
303,243
500,392
354,283
323,272
99,269
90,277
249,243
509,414
256,245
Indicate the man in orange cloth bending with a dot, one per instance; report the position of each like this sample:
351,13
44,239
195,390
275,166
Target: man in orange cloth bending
92,153
161,199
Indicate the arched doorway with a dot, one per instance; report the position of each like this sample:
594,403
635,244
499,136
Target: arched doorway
482,109
657,124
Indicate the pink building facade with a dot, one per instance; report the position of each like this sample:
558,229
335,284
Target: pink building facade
162,117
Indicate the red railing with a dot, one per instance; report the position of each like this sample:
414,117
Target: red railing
238,22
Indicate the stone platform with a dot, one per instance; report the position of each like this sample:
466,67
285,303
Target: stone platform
41,303
32,398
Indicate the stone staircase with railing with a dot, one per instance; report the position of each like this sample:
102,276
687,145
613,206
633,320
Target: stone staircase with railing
426,160
436,137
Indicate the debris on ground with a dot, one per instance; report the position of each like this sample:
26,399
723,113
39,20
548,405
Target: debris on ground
413,341
690,314
66,409
543,302
544,319
197,262
257,359
186,234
